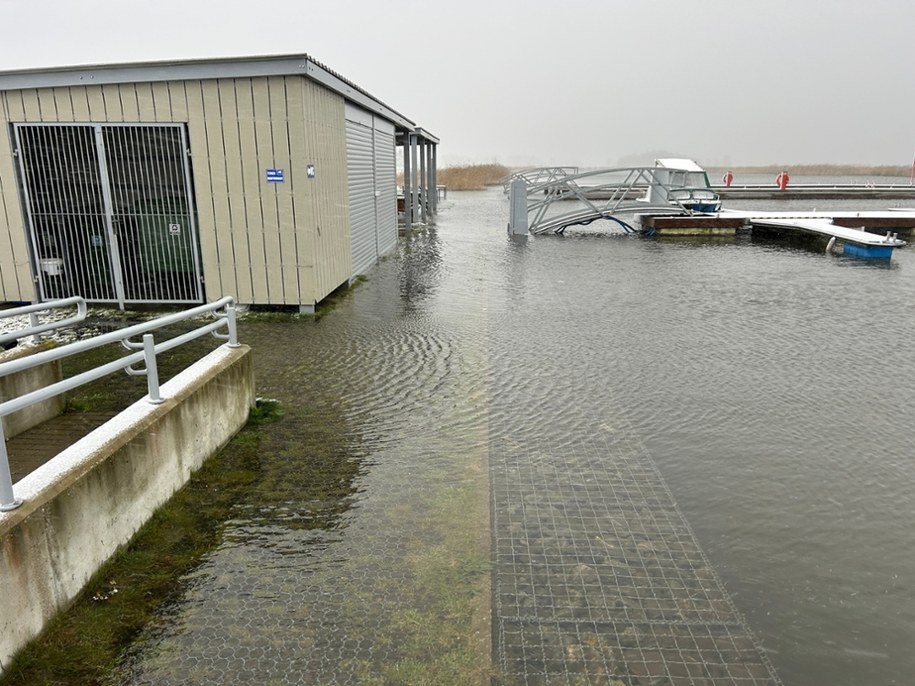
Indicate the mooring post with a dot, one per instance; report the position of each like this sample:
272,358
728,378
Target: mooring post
517,222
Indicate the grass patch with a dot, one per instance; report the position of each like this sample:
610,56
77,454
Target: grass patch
441,636
265,410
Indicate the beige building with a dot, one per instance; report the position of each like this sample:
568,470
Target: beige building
272,179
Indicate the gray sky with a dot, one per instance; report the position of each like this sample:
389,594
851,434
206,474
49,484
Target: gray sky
533,82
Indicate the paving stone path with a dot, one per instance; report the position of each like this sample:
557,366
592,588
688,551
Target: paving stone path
598,577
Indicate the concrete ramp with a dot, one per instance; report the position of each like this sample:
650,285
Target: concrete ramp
90,499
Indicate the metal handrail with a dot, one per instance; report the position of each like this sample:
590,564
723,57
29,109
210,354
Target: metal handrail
146,351
535,175
35,327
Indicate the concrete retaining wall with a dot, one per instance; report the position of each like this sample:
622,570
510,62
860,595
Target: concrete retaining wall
80,507
19,384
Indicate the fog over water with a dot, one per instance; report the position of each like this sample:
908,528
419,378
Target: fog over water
527,83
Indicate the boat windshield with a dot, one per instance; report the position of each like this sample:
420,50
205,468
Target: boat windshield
688,179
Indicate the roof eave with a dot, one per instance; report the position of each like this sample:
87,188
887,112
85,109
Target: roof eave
202,69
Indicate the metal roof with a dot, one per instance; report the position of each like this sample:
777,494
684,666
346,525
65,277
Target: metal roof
214,68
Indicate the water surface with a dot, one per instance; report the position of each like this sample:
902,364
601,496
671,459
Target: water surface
771,386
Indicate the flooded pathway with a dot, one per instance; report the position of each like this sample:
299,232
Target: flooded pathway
598,577
591,459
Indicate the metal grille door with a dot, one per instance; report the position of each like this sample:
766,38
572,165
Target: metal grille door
109,211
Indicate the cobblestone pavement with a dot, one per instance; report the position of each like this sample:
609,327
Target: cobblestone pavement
598,577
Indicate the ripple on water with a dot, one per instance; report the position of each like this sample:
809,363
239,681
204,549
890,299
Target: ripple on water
770,386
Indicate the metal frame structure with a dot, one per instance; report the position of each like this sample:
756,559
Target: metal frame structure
599,194
420,178
145,351
538,175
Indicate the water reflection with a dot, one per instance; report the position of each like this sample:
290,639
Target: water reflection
766,383
421,265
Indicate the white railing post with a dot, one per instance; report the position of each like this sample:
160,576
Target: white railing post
7,499
233,329
33,323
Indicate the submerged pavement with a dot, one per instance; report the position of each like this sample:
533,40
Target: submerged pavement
598,577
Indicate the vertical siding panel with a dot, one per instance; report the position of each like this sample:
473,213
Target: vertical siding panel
233,263
128,97
327,134
15,266
277,205
201,163
30,105
178,99
15,110
162,104
145,102
251,175
295,183
47,105
313,211
96,102
112,97
64,104
302,248
318,214
237,236
265,247
80,104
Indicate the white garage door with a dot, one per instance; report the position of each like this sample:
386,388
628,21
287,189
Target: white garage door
372,185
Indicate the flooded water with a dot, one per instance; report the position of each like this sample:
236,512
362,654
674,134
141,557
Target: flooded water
770,387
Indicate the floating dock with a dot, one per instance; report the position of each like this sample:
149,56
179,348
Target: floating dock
862,234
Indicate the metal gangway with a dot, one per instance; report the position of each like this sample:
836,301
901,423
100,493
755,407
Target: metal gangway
556,204
538,175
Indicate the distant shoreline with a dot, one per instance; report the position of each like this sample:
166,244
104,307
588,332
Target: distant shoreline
819,170
479,176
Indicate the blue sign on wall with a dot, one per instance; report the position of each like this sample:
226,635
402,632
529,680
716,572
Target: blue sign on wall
275,176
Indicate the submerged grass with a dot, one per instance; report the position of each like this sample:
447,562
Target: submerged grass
83,644
441,635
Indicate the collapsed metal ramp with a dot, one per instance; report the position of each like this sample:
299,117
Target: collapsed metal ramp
538,175
553,205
